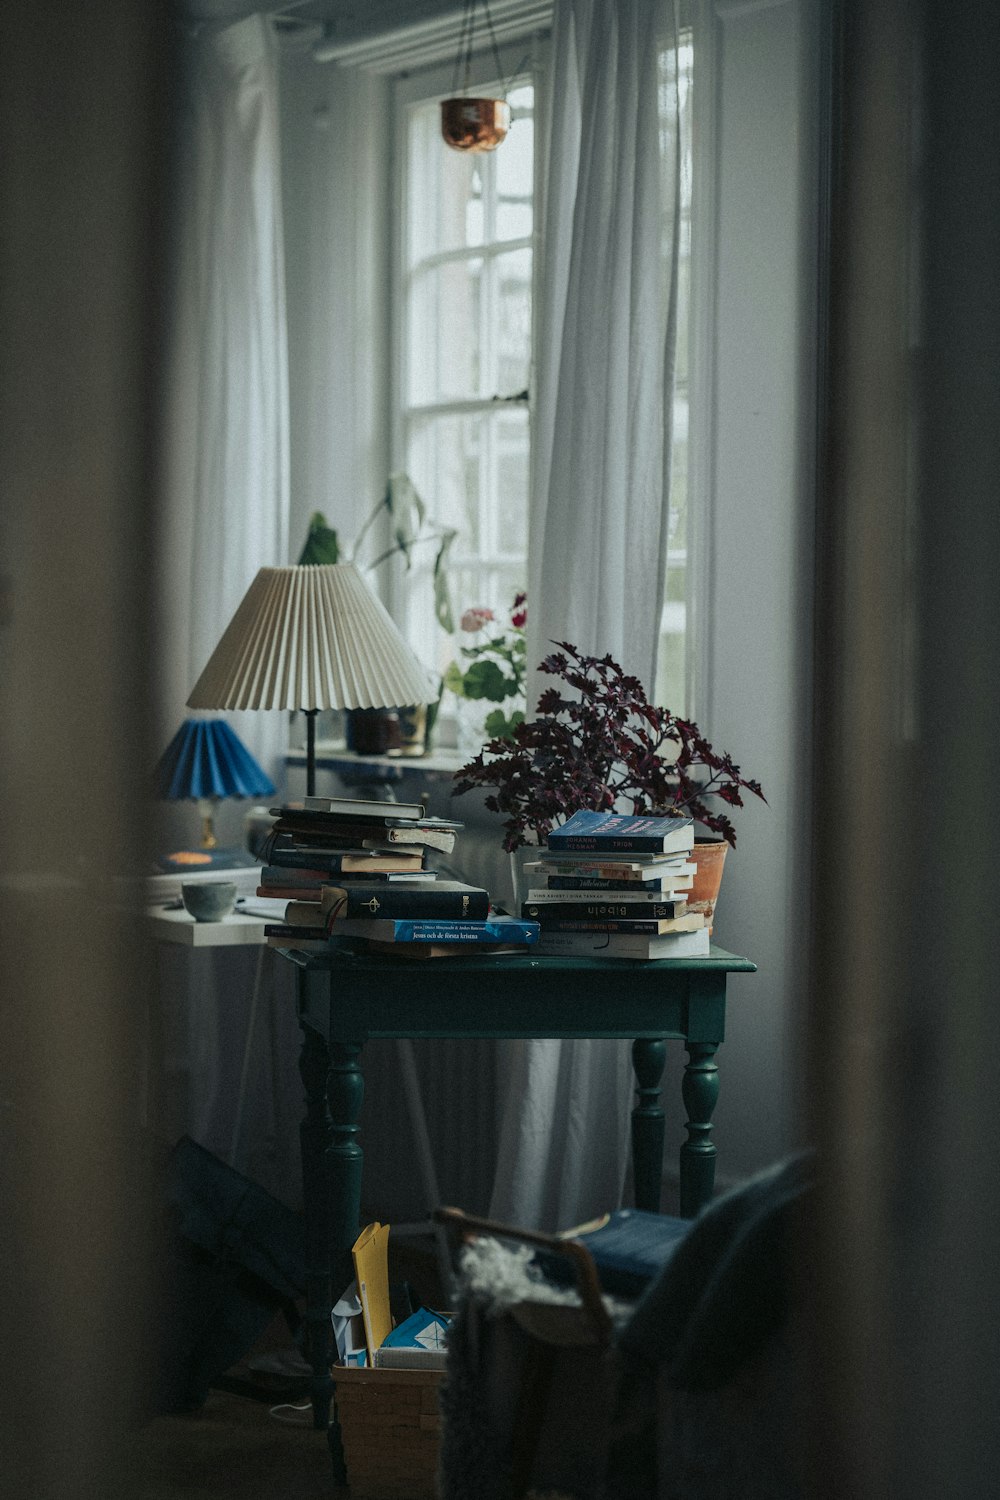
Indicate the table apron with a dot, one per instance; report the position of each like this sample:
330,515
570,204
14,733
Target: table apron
353,1007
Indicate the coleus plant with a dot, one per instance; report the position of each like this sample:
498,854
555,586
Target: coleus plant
598,743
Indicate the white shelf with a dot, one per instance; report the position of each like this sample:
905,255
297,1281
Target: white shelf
178,926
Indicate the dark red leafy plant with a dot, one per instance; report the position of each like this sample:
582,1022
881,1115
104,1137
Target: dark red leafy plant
599,743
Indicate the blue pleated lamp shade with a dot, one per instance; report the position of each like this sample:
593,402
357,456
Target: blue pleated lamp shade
207,759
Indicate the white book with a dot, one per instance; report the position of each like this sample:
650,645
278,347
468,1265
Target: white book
546,896
623,944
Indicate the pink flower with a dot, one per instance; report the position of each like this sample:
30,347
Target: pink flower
475,619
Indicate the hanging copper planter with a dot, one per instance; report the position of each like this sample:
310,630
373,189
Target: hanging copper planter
472,124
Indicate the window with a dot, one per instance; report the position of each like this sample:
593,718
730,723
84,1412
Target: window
463,334
463,321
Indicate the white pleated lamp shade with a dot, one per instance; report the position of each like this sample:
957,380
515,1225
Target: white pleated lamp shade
311,638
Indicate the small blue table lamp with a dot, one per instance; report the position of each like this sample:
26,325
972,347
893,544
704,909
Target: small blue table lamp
204,762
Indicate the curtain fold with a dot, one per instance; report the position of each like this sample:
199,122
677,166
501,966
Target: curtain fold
226,376
602,406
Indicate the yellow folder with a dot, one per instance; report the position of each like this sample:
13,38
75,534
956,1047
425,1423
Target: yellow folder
371,1270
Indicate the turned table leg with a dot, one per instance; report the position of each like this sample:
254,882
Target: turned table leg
331,1189
700,1090
648,1058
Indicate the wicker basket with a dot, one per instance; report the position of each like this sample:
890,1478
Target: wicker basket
391,1430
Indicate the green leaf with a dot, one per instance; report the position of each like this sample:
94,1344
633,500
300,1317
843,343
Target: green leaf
484,679
321,545
442,593
454,679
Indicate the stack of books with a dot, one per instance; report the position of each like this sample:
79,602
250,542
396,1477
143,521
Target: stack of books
615,886
354,869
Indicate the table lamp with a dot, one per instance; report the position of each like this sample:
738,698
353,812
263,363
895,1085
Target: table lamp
311,637
205,761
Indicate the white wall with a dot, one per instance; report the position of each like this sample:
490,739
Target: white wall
754,453
336,176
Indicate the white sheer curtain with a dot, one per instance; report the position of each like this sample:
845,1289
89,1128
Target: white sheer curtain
224,515
603,391
226,433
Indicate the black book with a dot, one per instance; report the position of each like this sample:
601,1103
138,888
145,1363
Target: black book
441,899
690,922
285,855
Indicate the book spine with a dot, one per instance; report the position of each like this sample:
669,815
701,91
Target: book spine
600,883
547,912
308,876
607,843
633,925
292,930
332,863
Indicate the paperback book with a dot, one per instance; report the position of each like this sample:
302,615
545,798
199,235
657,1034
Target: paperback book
628,833
623,945
550,906
621,866
495,929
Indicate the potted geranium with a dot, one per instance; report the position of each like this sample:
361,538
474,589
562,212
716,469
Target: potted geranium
597,742
488,676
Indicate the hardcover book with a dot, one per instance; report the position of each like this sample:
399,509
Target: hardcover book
364,834
633,834
691,922
356,807
549,906
656,886
349,861
624,945
442,898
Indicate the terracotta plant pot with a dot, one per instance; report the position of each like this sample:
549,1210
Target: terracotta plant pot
709,858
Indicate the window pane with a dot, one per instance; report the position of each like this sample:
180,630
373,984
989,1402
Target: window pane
512,443
513,321
443,460
515,174
444,348
446,196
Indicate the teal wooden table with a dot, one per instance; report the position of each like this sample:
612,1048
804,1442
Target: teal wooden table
344,999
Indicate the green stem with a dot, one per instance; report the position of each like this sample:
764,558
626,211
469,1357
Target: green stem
383,504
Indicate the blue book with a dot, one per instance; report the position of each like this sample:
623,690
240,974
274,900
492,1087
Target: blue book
623,833
628,1247
429,930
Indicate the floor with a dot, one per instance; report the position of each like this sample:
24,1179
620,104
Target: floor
255,1450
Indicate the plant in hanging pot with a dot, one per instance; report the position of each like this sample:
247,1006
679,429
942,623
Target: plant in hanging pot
598,743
